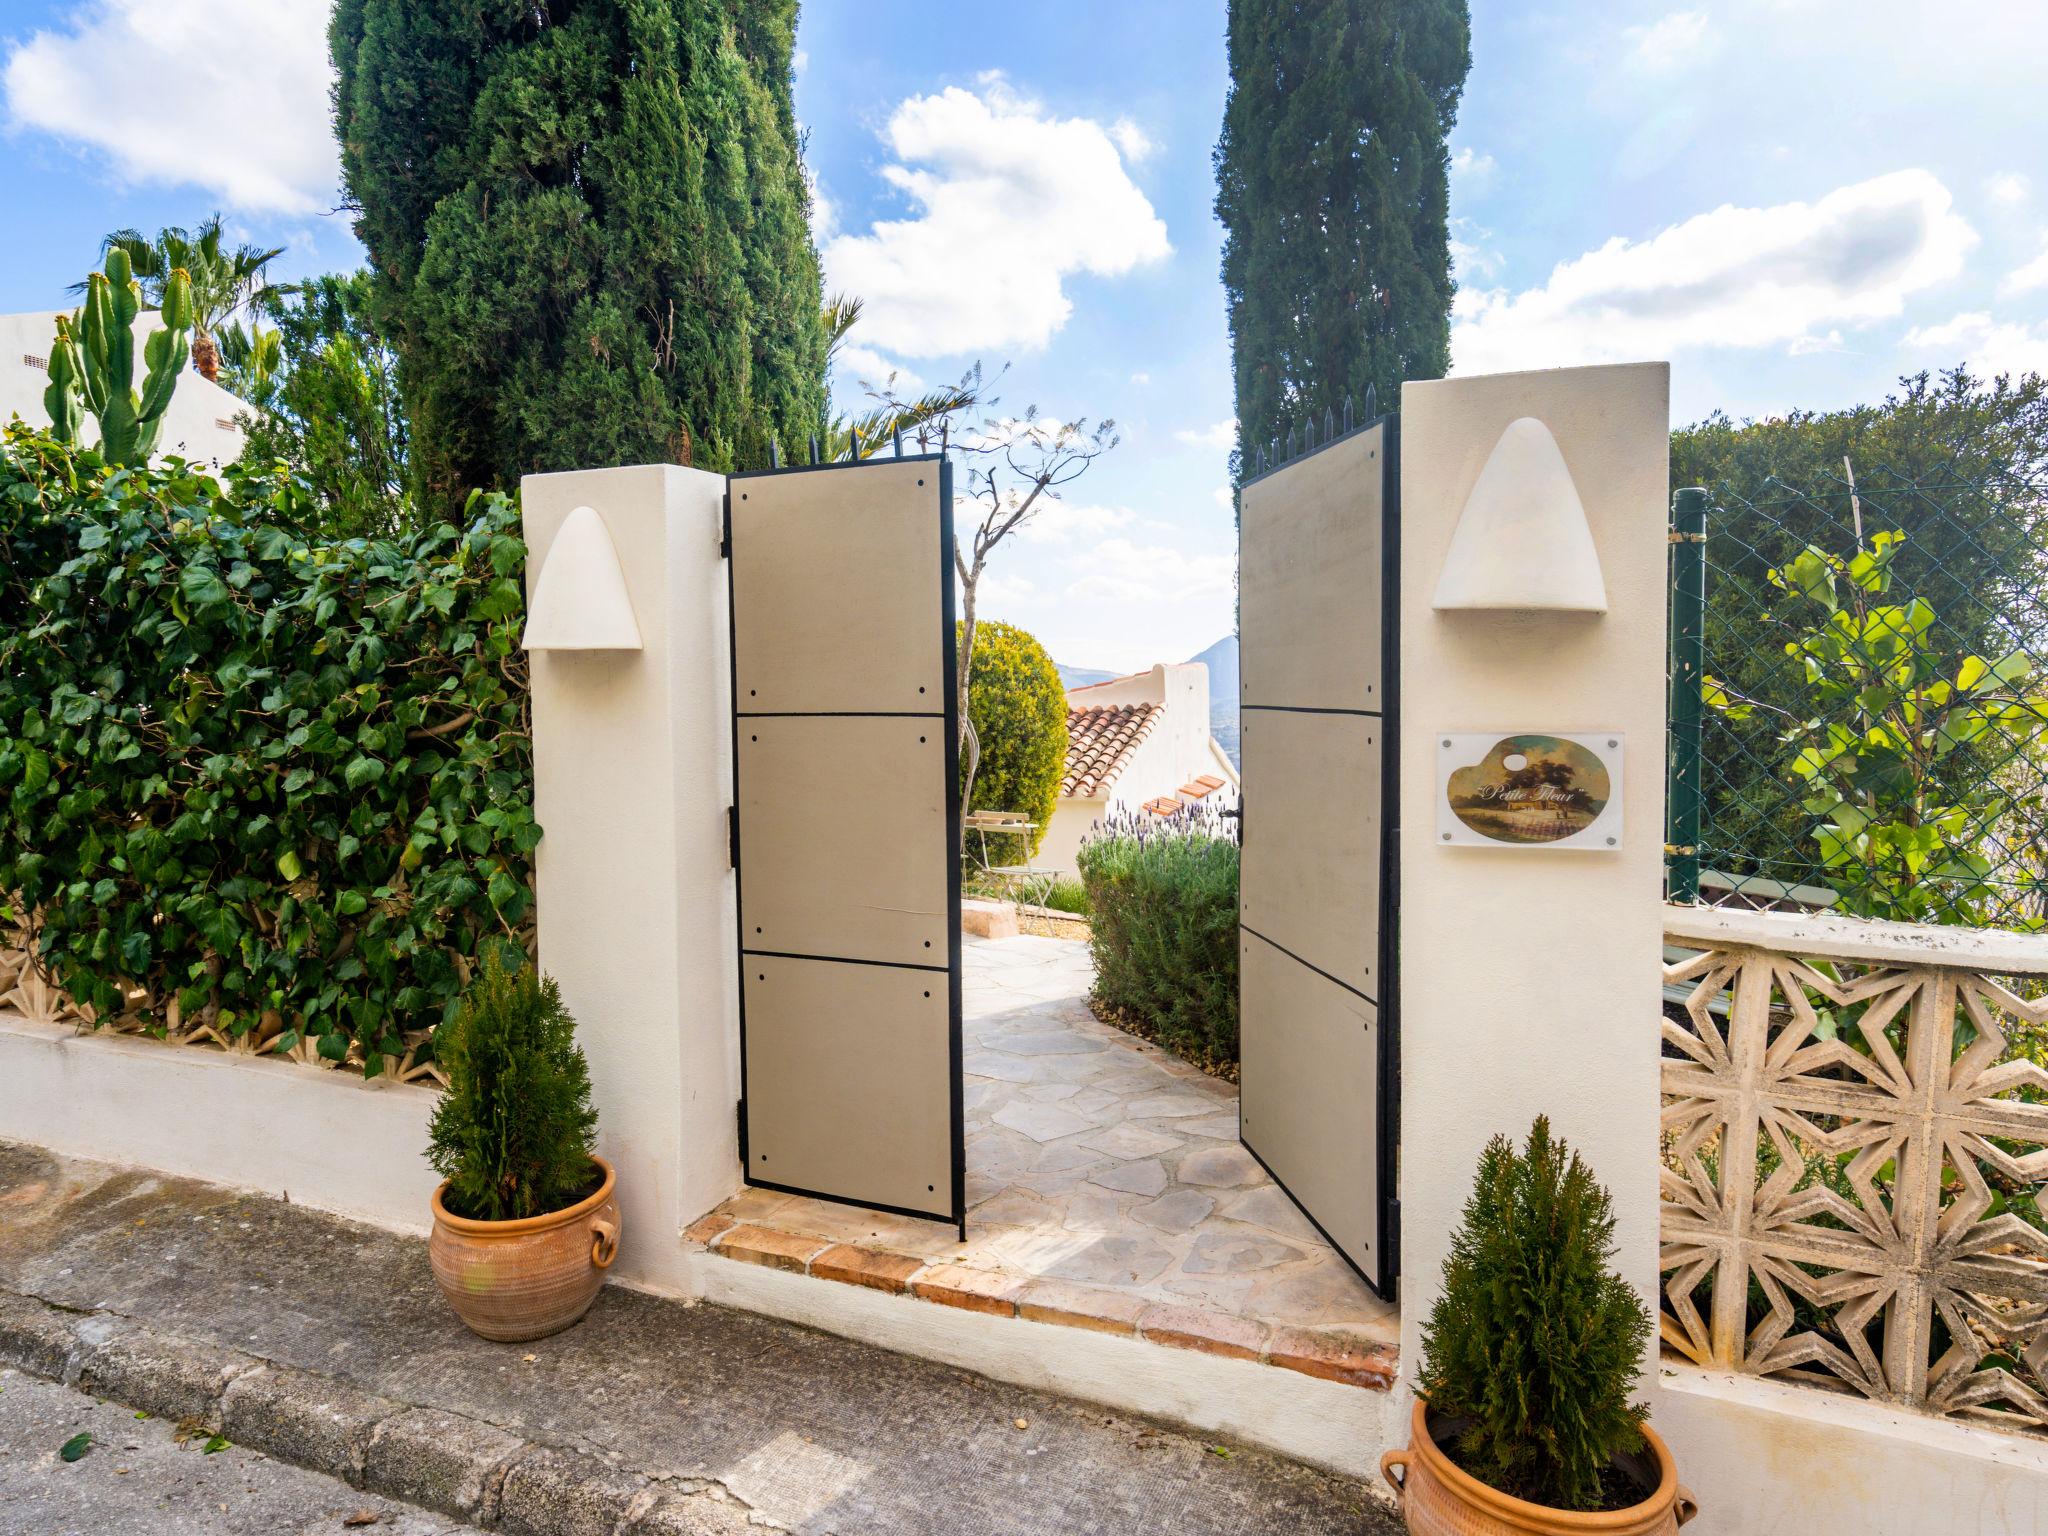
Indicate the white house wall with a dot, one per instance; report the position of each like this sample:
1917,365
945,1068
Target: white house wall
199,425
1177,750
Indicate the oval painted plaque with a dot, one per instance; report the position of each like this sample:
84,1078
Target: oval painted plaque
1530,789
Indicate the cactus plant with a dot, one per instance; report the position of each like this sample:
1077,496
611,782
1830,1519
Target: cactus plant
92,363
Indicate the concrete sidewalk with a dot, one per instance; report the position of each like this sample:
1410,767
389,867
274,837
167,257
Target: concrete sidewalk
142,1478
323,1342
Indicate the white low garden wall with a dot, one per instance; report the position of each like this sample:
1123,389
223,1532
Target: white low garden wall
1877,1421
330,1140
1766,1459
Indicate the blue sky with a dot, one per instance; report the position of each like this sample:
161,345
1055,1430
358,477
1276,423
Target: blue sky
1793,200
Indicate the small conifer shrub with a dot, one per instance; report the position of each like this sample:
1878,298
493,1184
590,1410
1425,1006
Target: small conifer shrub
513,1135
1535,1345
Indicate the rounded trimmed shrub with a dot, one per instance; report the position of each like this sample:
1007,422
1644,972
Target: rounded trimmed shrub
1019,708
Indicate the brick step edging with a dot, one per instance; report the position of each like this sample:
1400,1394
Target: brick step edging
1354,1362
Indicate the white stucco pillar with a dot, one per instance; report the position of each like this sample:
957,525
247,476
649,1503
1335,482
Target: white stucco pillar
632,778
1530,978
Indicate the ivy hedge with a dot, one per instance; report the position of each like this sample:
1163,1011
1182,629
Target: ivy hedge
274,782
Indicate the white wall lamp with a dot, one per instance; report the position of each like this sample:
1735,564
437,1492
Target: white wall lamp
580,602
1522,541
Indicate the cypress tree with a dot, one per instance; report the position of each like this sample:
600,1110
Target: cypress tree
1333,187
589,227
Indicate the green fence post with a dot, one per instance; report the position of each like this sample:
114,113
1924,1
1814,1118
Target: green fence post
1687,665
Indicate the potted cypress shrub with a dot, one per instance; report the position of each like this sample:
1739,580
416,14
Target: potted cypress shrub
1523,1422
525,1223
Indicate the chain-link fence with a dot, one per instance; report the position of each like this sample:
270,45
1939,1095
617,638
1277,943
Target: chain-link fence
1859,697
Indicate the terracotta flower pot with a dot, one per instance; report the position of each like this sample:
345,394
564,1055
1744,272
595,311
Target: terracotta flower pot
515,1280
1437,1499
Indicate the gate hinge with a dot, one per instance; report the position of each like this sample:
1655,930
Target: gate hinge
732,836
725,526
739,1115
1688,538
1675,850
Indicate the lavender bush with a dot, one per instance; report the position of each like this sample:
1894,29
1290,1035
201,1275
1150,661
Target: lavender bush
1163,893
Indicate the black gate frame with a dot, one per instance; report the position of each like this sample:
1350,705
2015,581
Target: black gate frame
956,1214
1387,1050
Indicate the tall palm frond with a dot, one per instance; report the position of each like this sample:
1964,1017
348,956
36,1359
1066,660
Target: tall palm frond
225,281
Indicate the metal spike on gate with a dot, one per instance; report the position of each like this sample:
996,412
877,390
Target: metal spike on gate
898,439
1290,440
1273,452
1371,402
814,447
774,454
1308,436
1347,413
853,452
1259,458
1329,423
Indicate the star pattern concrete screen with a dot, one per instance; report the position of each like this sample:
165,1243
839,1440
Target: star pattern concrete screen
1529,789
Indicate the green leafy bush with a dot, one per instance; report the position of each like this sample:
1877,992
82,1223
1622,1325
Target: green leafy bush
1066,895
1163,902
1534,1345
514,1132
281,784
1019,708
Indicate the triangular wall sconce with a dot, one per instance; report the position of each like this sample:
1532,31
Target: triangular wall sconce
1522,540
580,601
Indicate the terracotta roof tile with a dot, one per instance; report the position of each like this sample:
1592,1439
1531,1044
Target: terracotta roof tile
1165,805
1100,740
1197,789
1209,781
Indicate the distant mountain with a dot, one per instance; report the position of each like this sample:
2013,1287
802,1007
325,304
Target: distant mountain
1081,677
1221,659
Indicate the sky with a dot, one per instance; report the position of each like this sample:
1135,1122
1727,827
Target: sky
1795,201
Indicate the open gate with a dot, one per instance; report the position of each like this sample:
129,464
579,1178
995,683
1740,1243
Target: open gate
1318,561
846,832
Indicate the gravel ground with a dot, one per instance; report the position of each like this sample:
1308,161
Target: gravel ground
139,1478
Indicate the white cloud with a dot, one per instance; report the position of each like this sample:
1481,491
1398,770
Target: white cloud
1219,434
800,61
1136,144
1472,258
1469,165
1062,522
228,95
1121,570
1989,346
871,367
2008,189
1010,202
1674,40
1141,379
998,588
2026,278
1734,277
1224,497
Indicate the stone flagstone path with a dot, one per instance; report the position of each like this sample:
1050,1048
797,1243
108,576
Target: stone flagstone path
1100,1171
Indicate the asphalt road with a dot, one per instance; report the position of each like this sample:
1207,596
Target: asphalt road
140,1478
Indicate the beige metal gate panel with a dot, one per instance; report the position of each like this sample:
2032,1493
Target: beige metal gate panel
846,833
1311,1107
1316,564
1311,870
1308,580
842,820
813,1050
841,566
